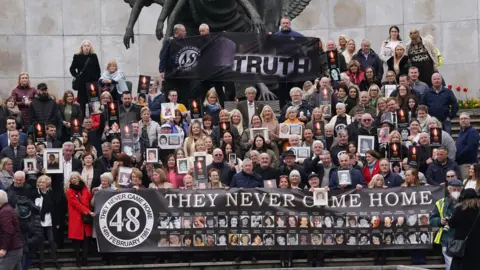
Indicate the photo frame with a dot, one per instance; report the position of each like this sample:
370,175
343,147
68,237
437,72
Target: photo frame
301,153
31,165
365,143
320,197
182,166
435,137
53,160
232,158
151,155
270,183
169,141
202,184
143,84
284,131
296,129
124,176
261,131
344,177
388,89
168,110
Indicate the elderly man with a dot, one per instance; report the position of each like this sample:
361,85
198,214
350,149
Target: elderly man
304,110
368,58
341,146
328,168
167,61
441,102
467,144
342,120
249,107
227,170
391,179
440,214
265,170
367,128
437,170
11,248
289,165
313,163
342,64
247,178
317,97
14,151
365,104
356,177
422,54
21,190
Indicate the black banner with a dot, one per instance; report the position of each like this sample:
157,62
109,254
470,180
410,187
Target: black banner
149,220
244,57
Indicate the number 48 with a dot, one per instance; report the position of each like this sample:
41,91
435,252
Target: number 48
131,222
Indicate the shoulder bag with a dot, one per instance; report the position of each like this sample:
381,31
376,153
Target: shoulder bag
87,219
456,247
75,82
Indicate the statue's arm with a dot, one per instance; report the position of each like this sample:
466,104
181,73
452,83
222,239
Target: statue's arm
172,18
135,13
167,10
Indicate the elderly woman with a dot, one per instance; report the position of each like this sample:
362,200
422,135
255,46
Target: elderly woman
447,140
44,201
6,172
159,180
80,217
106,183
148,125
342,119
113,80
214,179
294,178
302,108
355,72
23,95
411,178
194,134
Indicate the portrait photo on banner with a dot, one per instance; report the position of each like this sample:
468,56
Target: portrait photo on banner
53,160
320,196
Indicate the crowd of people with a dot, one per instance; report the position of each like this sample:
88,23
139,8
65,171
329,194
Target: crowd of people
37,206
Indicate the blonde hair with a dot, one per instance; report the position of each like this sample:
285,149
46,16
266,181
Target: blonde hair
23,74
48,180
295,89
137,173
240,125
290,109
70,179
267,107
3,162
80,51
144,109
321,113
209,93
374,180
111,63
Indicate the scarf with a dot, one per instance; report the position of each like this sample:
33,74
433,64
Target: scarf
78,187
47,205
371,166
14,111
213,107
119,78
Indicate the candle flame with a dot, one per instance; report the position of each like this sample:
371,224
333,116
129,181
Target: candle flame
414,150
112,106
194,104
92,87
75,122
144,79
435,132
331,54
394,147
199,165
39,127
401,113
127,129
224,126
325,92
317,125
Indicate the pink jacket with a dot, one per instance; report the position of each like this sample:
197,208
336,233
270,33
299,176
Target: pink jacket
19,94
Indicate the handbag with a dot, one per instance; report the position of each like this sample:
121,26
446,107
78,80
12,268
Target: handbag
456,247
75,82
87,219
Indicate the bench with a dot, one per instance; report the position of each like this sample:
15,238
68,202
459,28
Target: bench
275,104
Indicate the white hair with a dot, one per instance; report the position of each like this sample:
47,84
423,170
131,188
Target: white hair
251,88
70,144
318,142
108,176
340,106
204,25
294,172
19,174
3,197
295,89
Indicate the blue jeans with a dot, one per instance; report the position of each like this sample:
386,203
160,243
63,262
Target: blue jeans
447,126
448,259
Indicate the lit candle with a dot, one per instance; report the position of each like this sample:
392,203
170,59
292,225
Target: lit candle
414,152
194,105
39,130
317,126
435,135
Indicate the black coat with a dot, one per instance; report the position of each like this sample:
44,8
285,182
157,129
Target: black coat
31,234
77,113
462,221
226,173
90,74
43,111
404,65
18,159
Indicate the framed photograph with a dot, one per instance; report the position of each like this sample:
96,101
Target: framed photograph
232,158
124,176
284,132
435,136
365,143
95,107
168,110
152,155
53,160
202,184
320,197
388,89
182,166
326,110
301,153
31,165
169,141
262,131
296,129
271,183
344,177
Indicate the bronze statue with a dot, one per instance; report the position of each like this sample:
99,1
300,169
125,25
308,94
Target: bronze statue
220,15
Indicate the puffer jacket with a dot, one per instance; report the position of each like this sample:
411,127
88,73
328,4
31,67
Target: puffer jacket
31,234
44,111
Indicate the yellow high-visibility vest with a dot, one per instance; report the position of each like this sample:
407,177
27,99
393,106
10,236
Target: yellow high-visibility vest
440,204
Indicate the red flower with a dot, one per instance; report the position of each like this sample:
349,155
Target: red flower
458,89
465,90
450,86
60,101
75,99
135,98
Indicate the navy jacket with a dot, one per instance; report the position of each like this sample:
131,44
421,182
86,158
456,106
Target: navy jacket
442,105
304,108
243,180
437,173
467,146
155,106
290,33
393,180
4,140
226,173
372,61
355,175
164,55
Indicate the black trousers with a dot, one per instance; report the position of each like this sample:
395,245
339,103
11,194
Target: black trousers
81,246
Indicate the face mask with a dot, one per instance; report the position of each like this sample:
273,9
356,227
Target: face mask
455,195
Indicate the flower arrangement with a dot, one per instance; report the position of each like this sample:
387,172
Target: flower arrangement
466,103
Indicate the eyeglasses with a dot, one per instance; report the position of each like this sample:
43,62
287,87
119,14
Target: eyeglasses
450,176
218,155
367,120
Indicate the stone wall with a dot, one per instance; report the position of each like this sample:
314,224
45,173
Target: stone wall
41,36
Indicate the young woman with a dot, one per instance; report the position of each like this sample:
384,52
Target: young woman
100,120
159,180
113,80
343,97
399,63
79,216
13,110
194,134
171,172
415,131
342,43
404,92
355,73
269,121
211,106
23,94
387,51
207,126
374,94
214,179
116,145
88,172
44,201
228,148
349,51
370,78
236,120
412,106
473,179
411,178
86,147
179,125
209,144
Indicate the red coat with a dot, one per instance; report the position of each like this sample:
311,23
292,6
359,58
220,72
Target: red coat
76,209
367,176
356,78
96,120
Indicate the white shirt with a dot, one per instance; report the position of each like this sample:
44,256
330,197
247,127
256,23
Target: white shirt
8,137
470,184
48,217
251,112
67,171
